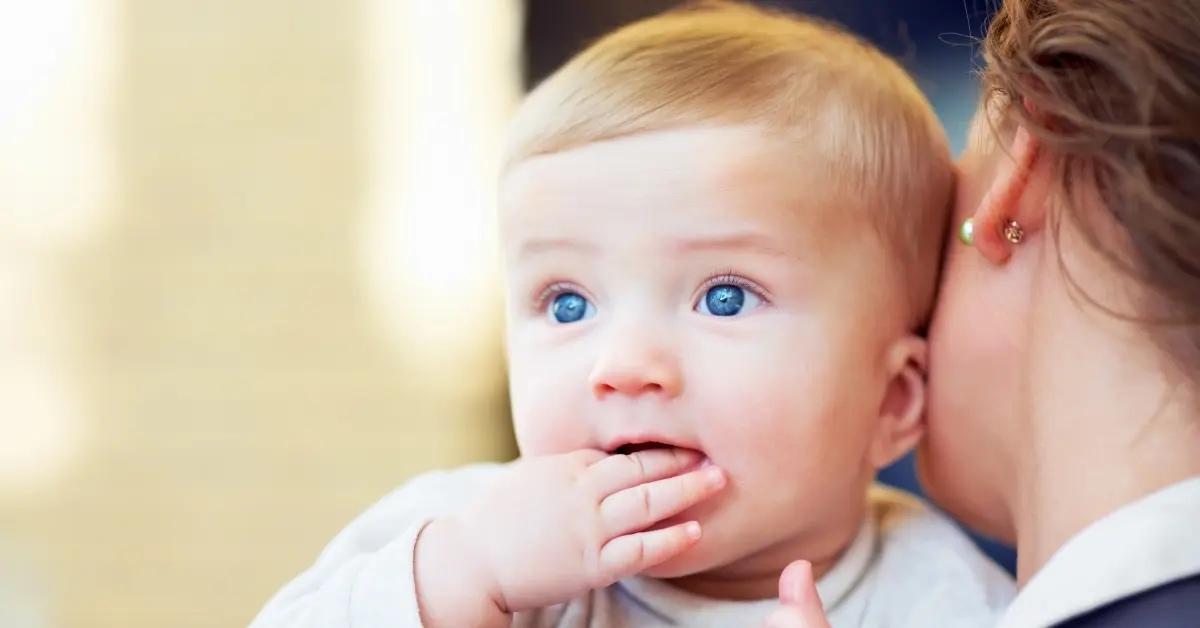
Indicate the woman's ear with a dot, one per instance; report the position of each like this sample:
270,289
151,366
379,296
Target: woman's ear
1018,193
902,411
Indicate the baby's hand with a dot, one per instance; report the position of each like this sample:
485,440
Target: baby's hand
554,527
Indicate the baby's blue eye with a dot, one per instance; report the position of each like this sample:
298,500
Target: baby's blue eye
570,307
727,300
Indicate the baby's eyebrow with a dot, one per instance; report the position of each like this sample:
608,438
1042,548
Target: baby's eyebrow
753,242
749,242
529,248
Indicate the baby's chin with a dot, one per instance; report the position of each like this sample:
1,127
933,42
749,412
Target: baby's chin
686,564
705,555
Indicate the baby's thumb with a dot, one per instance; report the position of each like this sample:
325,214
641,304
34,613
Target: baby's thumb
801,604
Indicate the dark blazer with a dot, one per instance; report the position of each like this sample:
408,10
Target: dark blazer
1171,605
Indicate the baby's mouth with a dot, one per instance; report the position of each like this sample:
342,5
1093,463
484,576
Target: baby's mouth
630,448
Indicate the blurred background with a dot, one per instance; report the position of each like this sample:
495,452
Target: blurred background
248,277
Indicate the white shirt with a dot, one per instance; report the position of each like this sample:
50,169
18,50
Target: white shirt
1139,546
908,566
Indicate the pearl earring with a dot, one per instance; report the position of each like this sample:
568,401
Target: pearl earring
966,232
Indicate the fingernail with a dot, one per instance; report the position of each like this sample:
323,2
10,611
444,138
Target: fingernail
714,477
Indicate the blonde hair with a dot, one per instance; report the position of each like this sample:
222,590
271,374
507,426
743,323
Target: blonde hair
721,63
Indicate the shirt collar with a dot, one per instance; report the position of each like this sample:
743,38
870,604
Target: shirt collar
1139,546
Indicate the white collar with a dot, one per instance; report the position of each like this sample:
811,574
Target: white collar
1141,545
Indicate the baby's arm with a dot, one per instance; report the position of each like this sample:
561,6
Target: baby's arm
364,577
456,550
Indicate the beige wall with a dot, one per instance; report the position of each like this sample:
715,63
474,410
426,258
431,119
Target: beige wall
200,387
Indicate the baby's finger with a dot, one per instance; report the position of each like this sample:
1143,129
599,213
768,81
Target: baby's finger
801,603
644,505
628,555
621,471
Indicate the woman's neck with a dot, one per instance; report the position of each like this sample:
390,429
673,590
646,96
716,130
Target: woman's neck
1104,433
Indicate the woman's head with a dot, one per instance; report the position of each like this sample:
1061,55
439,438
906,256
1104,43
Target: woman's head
1088,137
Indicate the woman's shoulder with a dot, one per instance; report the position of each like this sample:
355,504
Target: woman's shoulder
1139,558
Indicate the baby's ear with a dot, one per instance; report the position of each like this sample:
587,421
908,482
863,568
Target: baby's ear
902,411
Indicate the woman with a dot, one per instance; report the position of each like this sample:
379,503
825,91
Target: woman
1064,407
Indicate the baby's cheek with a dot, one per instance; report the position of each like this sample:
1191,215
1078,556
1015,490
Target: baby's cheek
773,427
546,428
740,432
549,403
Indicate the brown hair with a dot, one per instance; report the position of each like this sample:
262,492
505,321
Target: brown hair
726,63
1111,88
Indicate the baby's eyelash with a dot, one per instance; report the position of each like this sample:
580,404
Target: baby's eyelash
729,278
552,290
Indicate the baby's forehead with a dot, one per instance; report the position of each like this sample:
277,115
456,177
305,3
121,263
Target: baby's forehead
721,174
700,152
701,183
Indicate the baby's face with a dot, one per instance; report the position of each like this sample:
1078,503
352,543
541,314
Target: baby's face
702,288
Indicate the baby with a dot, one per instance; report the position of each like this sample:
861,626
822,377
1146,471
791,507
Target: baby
721,229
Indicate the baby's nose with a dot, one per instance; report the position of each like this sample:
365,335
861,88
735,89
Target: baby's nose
635,369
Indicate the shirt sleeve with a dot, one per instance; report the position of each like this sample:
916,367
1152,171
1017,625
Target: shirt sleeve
364,577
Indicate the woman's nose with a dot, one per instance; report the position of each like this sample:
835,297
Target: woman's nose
634,365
